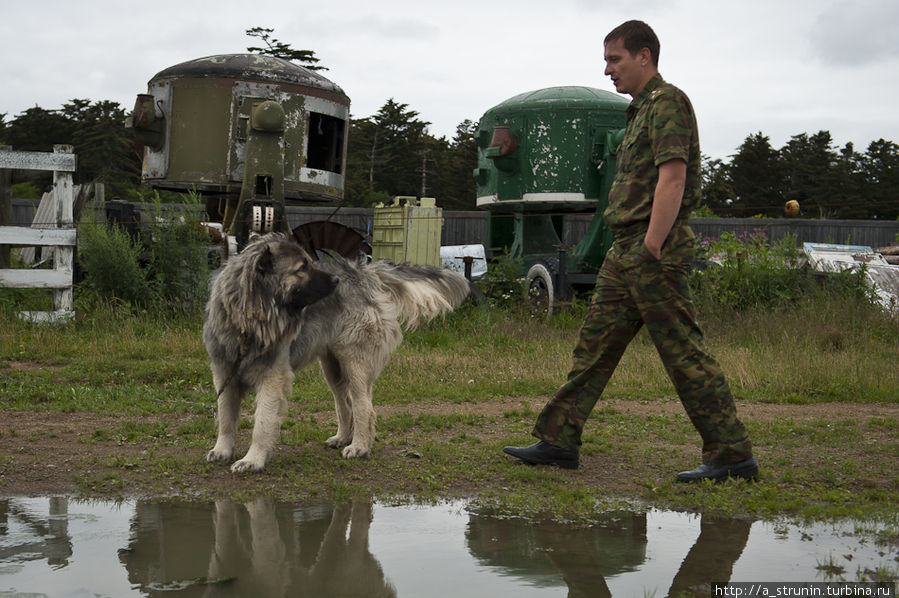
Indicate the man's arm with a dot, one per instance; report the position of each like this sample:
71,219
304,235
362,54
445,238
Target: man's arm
666,202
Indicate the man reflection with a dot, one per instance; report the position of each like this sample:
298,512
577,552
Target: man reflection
578,565
583,556
586,557
720,543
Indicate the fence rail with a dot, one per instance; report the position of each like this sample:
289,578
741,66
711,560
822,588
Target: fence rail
471,227
62,237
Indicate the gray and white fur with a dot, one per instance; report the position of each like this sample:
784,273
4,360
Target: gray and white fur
273,309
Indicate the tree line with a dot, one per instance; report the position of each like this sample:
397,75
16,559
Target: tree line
392,153
106,150
828,182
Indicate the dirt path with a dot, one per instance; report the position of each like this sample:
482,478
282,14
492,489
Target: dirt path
61,453
757,411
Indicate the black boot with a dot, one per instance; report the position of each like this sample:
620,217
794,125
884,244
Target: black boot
747,469
543,453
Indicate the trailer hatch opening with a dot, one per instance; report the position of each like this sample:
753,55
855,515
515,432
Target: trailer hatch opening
326,138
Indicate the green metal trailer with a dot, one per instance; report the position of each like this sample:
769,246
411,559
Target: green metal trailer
544,155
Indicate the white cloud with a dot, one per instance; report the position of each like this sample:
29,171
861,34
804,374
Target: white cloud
780,67
860,32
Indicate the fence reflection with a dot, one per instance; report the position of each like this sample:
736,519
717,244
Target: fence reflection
47,538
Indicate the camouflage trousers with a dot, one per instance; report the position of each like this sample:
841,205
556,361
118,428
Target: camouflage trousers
634,289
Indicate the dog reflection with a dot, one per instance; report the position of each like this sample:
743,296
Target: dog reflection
341,564
259,549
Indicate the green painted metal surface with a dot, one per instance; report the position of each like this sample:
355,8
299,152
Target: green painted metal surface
560,155
544,154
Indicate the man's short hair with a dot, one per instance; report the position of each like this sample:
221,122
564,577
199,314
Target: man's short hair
636,35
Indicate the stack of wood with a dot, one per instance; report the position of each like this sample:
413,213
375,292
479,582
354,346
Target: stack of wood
890,254
45,217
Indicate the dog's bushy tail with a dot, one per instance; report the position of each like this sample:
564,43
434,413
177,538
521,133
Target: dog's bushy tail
421,293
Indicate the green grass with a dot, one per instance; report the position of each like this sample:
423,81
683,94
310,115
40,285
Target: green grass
438,434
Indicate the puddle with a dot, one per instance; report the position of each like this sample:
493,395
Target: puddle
67,548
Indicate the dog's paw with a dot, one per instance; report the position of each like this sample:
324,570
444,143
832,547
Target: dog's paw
217,455
247,466
355,452
337,442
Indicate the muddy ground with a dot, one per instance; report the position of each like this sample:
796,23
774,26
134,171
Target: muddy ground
45,453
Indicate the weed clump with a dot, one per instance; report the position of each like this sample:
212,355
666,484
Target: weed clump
163,268
748,271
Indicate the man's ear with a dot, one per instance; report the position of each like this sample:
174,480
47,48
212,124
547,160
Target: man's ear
645,56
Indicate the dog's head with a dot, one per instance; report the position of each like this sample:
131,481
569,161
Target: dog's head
280,274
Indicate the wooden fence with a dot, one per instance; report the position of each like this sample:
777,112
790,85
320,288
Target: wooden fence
459,228
470,227
872,233
62,237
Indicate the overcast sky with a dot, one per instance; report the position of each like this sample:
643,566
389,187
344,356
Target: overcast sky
780,67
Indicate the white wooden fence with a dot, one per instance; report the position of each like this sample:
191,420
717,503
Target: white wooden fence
60,234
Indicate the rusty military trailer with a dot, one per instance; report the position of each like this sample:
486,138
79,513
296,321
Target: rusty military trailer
250,133
543,156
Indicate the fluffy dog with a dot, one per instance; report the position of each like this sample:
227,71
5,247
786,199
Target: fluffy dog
273,309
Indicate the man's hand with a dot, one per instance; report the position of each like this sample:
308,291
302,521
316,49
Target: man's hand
666,202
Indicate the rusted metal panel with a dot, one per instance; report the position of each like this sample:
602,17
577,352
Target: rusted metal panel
156,160
200,123
205,105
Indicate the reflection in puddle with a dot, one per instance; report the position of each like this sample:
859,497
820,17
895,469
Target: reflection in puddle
62,547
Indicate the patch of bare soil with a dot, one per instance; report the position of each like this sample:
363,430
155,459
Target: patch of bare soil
54,453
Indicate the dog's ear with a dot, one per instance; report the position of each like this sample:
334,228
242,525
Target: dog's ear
260,263
258,266
263,262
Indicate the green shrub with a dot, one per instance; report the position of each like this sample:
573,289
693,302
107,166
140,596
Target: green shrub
165,269
26,190
747,271
111,262
177,265
503,285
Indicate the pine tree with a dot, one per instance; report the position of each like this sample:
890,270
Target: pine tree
278,49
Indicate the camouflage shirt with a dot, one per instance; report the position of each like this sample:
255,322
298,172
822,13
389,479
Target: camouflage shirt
661,126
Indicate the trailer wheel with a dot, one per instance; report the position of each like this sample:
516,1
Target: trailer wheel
539,287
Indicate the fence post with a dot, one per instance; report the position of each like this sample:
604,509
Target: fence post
62,237
63,256
5,207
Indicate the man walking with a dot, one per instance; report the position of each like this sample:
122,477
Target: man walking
644,278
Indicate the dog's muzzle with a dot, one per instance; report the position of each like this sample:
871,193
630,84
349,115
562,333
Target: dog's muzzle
319,286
